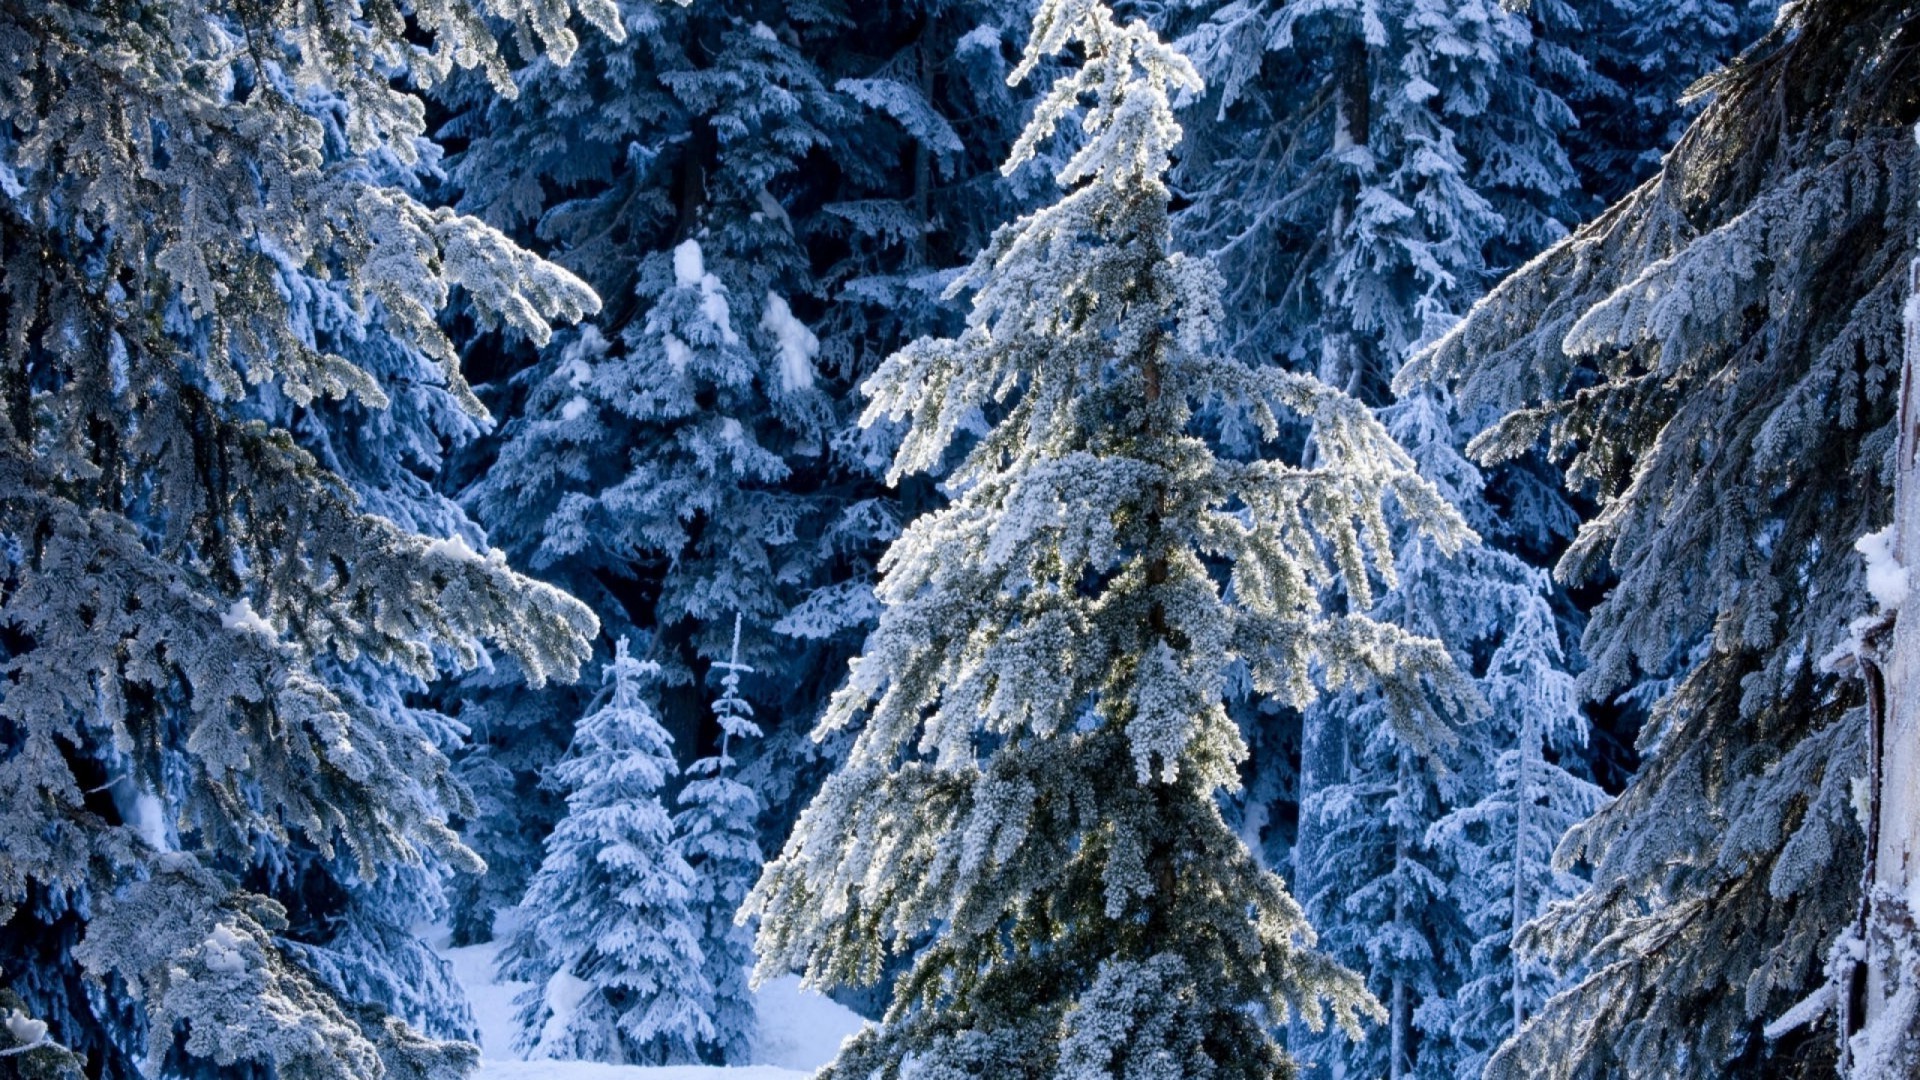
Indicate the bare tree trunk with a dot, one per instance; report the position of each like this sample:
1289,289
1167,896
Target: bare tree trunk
1881,1007
1401,1007
1522,811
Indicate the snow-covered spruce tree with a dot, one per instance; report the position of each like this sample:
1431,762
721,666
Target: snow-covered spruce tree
204,621
1380,867
1032,792
1367,170
1498,849
1716,359
839,158
663,464
645,463
606,936
1368,167
715,833
1646,55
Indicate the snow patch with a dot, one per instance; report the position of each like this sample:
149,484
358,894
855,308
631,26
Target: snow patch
798,346
456,547
565,992
241,616
221,952
799,1029
689,264
574,409
1887,580
764,32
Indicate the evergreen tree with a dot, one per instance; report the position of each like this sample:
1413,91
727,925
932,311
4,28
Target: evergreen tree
1499,847
1369,168
1715,359
212,603
1034,785
1646,56
1384,874
826,162
715,834
607,940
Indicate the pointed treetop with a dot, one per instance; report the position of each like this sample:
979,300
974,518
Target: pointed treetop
734,712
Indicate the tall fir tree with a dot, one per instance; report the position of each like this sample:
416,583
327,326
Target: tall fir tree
827,162
1646,56
1499,842
214,600
608,941
715,832
1034,785
1715,360
1385,877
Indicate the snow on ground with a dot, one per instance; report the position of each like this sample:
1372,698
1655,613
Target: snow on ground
799,1029
593,1070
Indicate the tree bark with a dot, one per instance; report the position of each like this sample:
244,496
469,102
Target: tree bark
1887,1013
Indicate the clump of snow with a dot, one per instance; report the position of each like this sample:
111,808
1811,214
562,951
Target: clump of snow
1887,580
764,32
574,409
689,264
25,1028
690,271
980,37
150,818
222,950
678,355
798,346
456,547
241,616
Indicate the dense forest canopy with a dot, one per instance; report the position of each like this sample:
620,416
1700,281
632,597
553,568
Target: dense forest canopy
1196,538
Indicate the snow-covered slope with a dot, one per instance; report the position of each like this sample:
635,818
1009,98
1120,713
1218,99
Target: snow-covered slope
799,1030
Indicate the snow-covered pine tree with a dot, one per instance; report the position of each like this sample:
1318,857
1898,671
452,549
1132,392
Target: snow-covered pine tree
1368,169
839,159
673,464
206,617
1646,55
607,939
1369,166
715,833
1379,867
1032,792
1498,848
1715,358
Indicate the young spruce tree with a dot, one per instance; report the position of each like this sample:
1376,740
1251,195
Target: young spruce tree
1033,793
608,944
716,834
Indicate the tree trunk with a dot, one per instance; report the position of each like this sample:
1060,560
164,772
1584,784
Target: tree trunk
1522,805
1888,1010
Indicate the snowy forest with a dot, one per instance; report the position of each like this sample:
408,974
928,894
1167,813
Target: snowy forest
935,539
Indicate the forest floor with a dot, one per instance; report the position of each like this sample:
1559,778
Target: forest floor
799,1031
